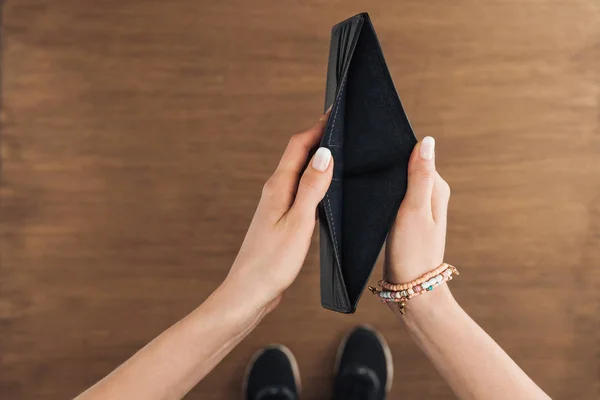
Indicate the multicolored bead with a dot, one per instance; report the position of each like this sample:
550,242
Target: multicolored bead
399,293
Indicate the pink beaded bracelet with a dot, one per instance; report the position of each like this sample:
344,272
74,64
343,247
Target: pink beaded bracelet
400,293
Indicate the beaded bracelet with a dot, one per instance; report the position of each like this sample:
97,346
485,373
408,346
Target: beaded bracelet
400,293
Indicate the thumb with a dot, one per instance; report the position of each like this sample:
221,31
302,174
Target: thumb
421,175
314,183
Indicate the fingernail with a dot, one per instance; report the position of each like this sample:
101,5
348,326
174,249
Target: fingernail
321,159
427,149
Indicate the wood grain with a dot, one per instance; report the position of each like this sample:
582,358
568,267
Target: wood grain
136,137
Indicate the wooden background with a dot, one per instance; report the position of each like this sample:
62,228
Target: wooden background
136,136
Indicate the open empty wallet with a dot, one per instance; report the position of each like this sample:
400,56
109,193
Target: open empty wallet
371,141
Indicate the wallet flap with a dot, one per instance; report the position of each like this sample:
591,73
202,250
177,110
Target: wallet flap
371,140
333,289
343,42
344,37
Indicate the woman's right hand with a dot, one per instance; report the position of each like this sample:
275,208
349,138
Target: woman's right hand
416,242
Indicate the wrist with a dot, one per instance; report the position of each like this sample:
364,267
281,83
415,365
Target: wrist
429,308
396,272
252,297
232,309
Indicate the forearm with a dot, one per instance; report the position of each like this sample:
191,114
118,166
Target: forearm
472,363
174,362
269,260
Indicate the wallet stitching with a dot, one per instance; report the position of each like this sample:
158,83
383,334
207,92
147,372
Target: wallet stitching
335,249
332,225
337,108
328,208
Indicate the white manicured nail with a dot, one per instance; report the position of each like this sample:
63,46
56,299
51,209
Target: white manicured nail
427,149
321,159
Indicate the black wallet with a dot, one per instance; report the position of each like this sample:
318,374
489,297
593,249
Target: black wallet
371,140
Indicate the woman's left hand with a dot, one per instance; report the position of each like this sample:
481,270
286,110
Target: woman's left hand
280,232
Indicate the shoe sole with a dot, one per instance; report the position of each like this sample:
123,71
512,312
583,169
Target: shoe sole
288,353
389,363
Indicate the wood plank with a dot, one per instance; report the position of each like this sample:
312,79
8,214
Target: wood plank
136,137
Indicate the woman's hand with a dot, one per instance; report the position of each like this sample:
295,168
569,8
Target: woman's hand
468,358
268,262
280,232
416,242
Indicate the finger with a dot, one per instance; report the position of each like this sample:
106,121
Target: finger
279,191
314,183
297,151
440,199
421,175
278,194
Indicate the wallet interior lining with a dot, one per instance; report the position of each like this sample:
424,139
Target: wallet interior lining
371,141
377,146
